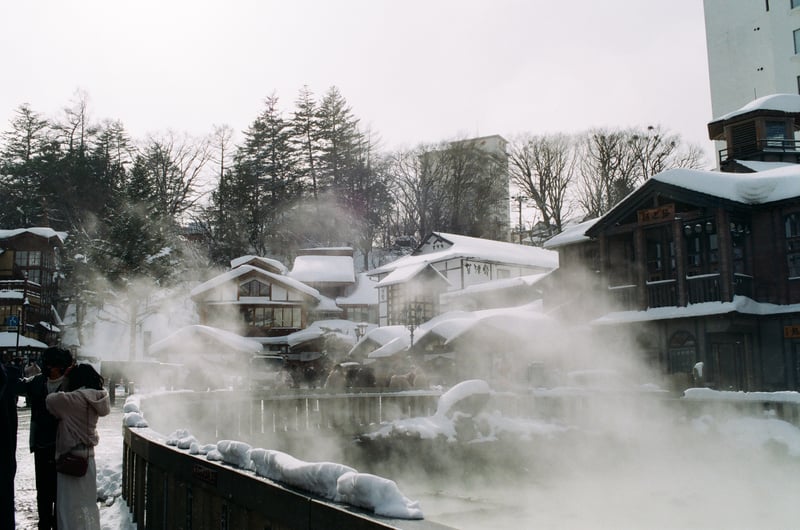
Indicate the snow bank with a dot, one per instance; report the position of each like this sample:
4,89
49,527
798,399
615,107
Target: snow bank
378,494
316,477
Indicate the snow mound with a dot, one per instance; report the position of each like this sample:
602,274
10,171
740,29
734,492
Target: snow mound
181,438
316,477
134,419
235,453
378,494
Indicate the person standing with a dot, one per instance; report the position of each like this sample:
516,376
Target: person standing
78,409
55,362
9,378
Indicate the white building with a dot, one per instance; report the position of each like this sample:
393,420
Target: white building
753,50
411,288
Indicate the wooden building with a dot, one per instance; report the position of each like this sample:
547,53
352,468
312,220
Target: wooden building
703,266
411,288
29,282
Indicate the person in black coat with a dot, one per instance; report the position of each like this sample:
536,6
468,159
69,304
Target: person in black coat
55,362
9,378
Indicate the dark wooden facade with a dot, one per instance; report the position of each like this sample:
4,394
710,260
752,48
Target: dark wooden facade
29,267
698,274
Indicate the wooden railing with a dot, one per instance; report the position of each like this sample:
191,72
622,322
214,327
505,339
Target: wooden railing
662,293
168,488
703,288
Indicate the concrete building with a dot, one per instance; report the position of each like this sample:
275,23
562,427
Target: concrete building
753,50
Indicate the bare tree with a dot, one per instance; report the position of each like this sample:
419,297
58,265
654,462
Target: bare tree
543,168
614,163
167,173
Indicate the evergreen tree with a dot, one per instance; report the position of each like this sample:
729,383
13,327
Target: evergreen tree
24,159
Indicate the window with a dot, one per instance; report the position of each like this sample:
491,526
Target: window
681,353
795,3
776,133
503,274
254,288
660,254
792,230
702,247
796,41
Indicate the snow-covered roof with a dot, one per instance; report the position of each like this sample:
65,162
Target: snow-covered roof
740,304
572,234
9,340
319,269
747,188
245,269
196,336
407,272
478,249
364,292
495,286
757,165
257,261
41,231
779,102
6,294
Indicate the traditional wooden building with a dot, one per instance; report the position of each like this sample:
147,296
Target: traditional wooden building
703,266
29,282
411,288
256,299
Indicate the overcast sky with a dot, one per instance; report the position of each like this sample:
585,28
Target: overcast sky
413,71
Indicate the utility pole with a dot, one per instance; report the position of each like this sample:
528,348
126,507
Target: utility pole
519,199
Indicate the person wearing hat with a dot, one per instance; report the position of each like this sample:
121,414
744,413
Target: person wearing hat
55,362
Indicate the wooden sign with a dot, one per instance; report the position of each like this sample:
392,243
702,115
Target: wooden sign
791,332
656,215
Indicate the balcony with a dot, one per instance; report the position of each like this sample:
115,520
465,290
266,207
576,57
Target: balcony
662,293
769,150
703,288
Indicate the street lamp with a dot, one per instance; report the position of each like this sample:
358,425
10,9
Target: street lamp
520,199
361,329
412,320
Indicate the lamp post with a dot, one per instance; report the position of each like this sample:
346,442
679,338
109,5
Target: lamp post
361,329
412,320
520,199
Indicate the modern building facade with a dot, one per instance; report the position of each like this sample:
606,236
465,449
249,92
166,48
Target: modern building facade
753,50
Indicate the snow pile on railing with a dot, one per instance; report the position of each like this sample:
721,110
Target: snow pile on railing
336,482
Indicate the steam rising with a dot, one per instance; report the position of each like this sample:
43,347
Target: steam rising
611,450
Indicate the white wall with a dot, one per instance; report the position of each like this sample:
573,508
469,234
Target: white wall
750,51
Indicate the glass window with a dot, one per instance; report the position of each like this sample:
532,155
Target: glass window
797,41
21,257
702,247
254,288
792,231
776,133
795,3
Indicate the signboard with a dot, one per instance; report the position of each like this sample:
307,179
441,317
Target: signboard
12,321
791,332
656,215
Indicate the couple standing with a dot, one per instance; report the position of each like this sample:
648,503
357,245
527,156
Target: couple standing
66,400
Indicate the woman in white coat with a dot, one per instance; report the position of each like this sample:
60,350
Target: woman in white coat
77,410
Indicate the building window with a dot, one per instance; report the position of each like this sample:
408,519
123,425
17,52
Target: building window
776,133
795,3
792,231
660,254
797,41
254,288
702,247
681,353
503,274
